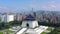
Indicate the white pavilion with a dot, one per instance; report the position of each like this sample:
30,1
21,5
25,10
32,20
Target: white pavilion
30,26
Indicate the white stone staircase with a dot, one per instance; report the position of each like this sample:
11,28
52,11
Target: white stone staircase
21,31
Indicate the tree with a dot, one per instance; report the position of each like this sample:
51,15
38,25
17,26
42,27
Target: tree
15,23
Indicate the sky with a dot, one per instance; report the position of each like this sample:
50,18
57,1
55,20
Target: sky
27,5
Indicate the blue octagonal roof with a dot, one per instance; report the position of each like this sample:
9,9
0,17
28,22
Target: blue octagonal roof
30,17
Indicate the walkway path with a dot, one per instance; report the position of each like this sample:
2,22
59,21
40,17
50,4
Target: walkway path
21,31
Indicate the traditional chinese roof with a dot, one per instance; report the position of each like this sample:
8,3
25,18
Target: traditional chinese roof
30,17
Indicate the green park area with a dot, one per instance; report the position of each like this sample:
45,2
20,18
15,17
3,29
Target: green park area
55,31
4,27
1,32
49,28
6,31
43,33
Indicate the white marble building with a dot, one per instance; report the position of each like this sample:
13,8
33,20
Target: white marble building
30,26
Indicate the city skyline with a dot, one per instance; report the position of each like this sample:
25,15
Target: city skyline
19,5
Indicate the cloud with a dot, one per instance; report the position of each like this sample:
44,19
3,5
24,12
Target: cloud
51,2
11,9
8,9
49,5
53,6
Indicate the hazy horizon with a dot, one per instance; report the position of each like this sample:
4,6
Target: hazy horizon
27,5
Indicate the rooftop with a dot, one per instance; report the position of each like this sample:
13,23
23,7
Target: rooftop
30,17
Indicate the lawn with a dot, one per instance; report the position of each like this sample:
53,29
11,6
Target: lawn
1,32
7,31
43,33
26,33
49,28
